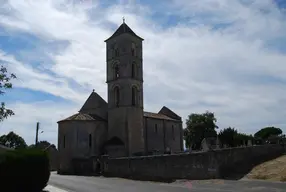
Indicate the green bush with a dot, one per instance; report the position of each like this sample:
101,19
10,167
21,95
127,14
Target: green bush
24,170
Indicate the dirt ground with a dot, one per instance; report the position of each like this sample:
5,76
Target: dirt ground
274,170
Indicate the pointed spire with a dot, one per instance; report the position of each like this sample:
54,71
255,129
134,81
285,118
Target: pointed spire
123,28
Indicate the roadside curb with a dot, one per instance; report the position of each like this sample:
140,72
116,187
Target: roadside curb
51,188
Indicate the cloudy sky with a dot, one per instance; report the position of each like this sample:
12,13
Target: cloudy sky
225,56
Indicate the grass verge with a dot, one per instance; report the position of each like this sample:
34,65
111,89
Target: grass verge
274,170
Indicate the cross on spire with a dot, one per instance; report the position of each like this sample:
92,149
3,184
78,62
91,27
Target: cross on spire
123,19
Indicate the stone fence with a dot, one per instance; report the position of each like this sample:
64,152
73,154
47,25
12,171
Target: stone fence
221,163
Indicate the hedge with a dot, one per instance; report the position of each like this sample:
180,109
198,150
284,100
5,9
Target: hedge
24,170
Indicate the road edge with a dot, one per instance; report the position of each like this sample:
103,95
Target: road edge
52,188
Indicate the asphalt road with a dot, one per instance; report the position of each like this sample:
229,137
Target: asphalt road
101,184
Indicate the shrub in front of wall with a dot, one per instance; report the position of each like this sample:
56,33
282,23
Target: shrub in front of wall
24,170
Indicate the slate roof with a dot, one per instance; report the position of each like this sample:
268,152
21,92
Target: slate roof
123,28
157,116
79,117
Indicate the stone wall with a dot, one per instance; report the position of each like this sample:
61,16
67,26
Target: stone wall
200,165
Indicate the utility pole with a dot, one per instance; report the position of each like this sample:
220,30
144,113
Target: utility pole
37,133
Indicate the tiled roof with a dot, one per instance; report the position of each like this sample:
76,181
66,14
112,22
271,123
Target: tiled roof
79,117
123,28
97,118
157,116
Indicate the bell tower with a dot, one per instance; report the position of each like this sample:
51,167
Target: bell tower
125,89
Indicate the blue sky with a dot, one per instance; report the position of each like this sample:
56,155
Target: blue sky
224,56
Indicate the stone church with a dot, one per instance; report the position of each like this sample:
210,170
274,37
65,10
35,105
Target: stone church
119,127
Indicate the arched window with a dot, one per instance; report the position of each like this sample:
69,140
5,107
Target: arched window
116,71
133,49
116,94
133,70
134,90
90,141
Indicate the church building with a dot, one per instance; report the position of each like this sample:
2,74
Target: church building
119,127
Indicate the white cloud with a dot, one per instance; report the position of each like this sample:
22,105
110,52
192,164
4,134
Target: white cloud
30,78
190,67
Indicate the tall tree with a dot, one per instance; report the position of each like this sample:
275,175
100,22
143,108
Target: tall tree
12,140
228,136
5,83
266,132
199,126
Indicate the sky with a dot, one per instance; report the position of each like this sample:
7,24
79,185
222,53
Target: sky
224,56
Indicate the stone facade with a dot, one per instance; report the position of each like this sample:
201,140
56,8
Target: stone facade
119,127
79,137
162,133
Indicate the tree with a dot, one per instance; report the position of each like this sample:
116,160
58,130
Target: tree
41,145
266,132
12,140
242,138
5,83
228,136
231,137
199,126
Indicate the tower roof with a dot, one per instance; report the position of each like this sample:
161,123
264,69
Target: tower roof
94,101
123,28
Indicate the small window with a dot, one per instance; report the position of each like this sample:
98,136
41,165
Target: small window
133,68
64,141
133,96
90,140
156,128
117,96
116,72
